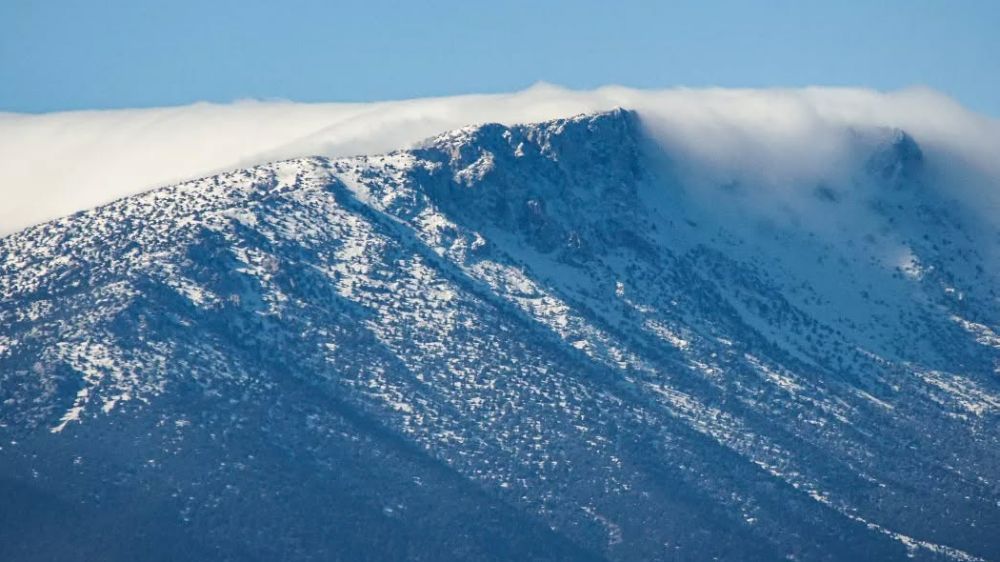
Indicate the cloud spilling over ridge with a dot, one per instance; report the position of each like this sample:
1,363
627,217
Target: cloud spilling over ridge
55,164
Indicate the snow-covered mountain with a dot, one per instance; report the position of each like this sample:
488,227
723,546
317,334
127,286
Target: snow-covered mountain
545,341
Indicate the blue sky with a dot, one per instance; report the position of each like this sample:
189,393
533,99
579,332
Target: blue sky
69,54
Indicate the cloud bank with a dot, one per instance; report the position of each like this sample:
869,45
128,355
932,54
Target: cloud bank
55,164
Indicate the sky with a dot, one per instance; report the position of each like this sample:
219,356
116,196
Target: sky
762,91
60,55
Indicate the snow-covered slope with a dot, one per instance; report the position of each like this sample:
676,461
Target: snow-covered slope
530,342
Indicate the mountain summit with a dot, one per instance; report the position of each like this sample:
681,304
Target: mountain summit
539,342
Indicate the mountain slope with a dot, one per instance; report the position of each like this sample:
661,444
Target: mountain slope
538,342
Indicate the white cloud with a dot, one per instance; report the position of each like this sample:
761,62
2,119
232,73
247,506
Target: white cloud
55,164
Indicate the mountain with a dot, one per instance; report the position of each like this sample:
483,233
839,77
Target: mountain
539,342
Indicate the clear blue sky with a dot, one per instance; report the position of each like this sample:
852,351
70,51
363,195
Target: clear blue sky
74,54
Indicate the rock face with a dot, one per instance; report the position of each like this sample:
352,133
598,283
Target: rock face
512,343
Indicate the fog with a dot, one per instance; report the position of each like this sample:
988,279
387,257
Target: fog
773,139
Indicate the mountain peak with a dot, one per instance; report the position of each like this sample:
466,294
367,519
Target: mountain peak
897,158
579,138
606,142
538,179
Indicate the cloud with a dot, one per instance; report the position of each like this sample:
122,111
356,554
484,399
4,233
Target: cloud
55,164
